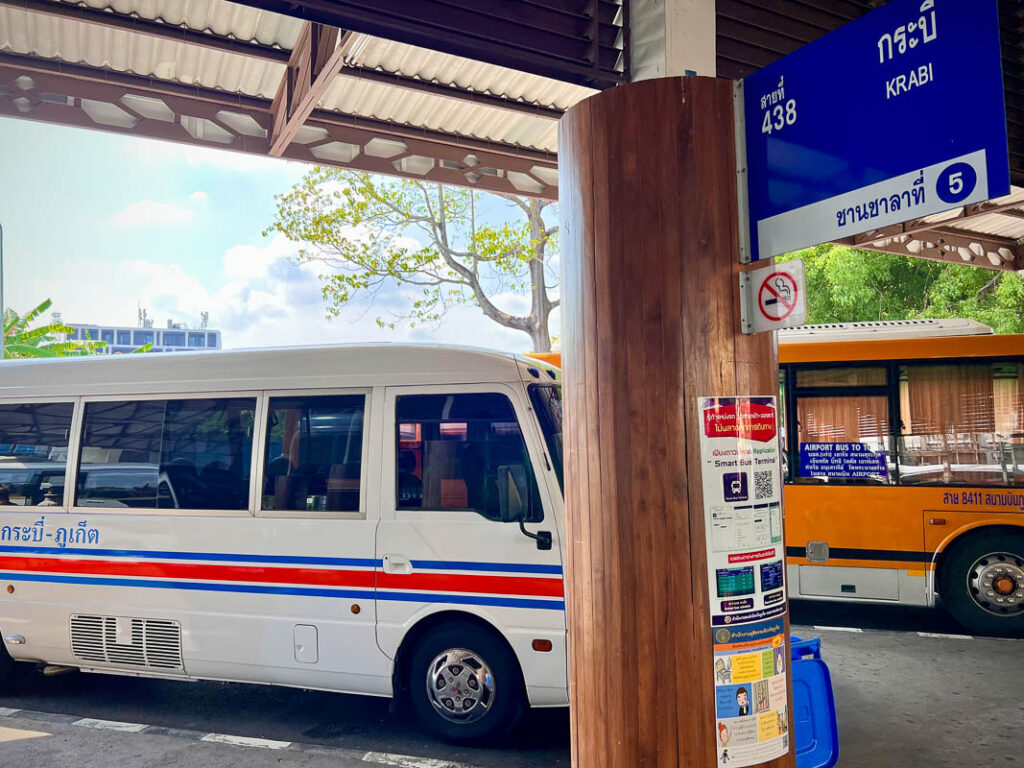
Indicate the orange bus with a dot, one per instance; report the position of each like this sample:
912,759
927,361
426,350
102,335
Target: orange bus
904,454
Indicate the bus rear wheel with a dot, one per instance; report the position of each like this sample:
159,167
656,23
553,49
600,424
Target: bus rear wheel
982,582
465,684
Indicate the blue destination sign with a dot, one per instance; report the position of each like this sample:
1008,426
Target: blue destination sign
894,116
841,460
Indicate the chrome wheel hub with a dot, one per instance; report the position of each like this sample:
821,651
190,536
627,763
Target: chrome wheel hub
460,685
996,583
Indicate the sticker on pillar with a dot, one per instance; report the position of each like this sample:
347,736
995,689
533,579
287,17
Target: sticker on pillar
751,697
741,477
773,297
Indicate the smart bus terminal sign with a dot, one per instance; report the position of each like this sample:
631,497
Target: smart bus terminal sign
742,482
892,117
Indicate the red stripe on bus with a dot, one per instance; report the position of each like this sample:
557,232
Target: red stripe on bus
436,582
491,585
204,571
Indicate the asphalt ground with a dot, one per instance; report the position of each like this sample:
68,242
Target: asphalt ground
912,689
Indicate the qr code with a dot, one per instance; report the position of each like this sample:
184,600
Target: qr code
764,488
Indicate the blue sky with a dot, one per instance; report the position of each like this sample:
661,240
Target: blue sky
102,224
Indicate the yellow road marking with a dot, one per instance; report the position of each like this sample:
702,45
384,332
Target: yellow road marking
14,734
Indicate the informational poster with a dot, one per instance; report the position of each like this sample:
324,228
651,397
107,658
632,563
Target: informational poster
742,483
751,699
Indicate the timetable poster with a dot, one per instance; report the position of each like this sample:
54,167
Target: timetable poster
742,482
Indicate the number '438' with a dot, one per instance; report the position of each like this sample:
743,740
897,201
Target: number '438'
779,116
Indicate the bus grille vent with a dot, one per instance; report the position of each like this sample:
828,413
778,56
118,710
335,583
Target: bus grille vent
153,643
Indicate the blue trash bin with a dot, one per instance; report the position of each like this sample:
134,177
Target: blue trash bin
815,732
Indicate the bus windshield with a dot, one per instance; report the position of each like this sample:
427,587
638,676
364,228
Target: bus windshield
547,401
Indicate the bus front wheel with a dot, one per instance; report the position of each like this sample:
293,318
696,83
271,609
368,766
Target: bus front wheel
982,582
465,684
6,666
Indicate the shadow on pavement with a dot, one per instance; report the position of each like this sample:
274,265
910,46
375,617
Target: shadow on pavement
285,714
896,618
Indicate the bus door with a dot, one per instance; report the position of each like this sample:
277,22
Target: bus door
457,478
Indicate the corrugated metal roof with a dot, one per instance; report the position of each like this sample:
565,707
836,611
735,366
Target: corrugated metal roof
1002,225
384,102
79,42
389,56
215,16
49,37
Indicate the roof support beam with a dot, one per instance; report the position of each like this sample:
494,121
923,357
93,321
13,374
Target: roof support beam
945,244
918,226
450,92
578,42
90,97
318,55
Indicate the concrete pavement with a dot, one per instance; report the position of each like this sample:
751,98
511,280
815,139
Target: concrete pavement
912,690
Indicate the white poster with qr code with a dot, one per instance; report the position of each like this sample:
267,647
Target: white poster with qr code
742,480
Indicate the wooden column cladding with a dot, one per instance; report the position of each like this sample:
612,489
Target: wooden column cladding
650,268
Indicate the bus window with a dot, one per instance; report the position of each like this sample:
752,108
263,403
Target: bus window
33,453
783,437
167,454
841,377
547,402
314,453
962,424
453,450
843,426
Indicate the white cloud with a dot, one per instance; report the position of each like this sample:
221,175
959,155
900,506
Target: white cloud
252,262
147,213
199,197
264,300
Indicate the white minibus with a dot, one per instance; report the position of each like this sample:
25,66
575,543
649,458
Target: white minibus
382,520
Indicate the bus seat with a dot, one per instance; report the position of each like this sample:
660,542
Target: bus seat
410,487
343,487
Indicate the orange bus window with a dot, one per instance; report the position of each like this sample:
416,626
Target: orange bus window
841,377
962,424
860,423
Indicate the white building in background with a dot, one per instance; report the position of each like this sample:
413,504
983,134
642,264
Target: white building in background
120,339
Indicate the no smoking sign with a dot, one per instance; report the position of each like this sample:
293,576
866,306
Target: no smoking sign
773,297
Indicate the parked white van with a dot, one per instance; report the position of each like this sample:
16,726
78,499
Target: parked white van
383,520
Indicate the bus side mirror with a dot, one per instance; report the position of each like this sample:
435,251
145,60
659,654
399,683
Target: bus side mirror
513,500
513,492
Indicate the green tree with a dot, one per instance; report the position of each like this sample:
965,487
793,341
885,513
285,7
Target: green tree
847,285
20,340
45,340
372,232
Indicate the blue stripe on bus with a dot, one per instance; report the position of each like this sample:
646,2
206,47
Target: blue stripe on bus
352,562
457,565
504,602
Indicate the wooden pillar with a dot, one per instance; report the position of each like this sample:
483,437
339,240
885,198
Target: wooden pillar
648,212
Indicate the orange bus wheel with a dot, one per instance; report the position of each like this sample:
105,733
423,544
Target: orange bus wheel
981,582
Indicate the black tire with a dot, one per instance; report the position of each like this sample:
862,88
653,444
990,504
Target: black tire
962,571
6,667
493,709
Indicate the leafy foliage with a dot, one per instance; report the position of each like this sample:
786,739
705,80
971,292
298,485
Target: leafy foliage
848,285
372,232
20,340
